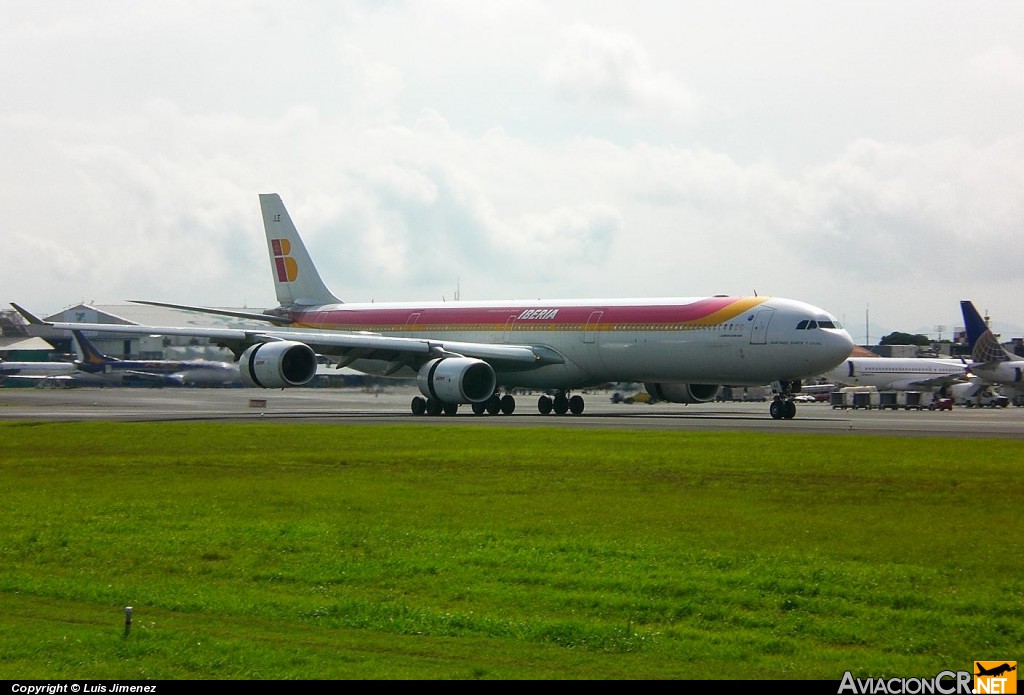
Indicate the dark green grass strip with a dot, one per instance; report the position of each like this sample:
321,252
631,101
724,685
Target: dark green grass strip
307,551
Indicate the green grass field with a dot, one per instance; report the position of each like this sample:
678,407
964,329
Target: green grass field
278,551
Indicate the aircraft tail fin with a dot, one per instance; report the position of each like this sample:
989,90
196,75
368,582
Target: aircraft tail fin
29,317
296,279
984,345
88,354
973,323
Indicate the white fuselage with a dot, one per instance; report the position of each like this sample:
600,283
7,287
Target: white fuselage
1009,373
746,341
897,373
37,369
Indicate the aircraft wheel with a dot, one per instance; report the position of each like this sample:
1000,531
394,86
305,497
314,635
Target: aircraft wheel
493,405
508,404
788,410
479,408
776,410
450,408
561,405
433,407
544,405
576,405
419,405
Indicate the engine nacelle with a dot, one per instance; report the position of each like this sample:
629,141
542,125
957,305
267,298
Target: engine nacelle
457,380
278,364
683,393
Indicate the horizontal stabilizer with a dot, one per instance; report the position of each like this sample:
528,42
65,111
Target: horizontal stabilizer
270,318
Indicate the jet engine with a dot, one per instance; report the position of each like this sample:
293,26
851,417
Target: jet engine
683,393
278,364
457,380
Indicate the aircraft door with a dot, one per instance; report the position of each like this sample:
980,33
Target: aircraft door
321,319
759,327
410,323
507,337
590,331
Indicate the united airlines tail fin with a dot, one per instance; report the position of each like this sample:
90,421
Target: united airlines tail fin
296,279
984,345
973,323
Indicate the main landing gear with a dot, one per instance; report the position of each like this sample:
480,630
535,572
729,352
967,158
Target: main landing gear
495,405
429,406
783,406
560,404
504,405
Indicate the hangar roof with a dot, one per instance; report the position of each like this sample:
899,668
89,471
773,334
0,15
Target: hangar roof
23,343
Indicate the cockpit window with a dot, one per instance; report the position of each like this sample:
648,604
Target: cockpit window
809,324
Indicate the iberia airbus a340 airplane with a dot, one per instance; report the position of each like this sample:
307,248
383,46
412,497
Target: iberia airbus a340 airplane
475,352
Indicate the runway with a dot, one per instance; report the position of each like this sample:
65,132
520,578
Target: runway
341,406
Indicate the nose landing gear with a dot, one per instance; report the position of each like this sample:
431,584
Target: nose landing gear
783,407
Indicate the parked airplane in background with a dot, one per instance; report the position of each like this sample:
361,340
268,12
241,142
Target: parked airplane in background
37,371
170,372
468,352
898,373
990,361
92,368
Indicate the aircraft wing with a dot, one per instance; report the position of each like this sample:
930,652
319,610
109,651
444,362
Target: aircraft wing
342,347
936,381
128,374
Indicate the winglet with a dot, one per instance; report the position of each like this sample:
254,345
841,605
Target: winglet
29,316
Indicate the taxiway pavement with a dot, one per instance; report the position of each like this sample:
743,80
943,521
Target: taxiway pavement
342,406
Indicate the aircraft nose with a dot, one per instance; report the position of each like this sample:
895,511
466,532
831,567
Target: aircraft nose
835,346
839,345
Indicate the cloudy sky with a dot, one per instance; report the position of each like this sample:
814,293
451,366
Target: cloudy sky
867,157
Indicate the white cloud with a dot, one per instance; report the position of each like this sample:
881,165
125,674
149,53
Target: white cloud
1000,66
908,212
610,68
517,150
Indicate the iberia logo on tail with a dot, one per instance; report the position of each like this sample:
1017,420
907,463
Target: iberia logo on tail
284,264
